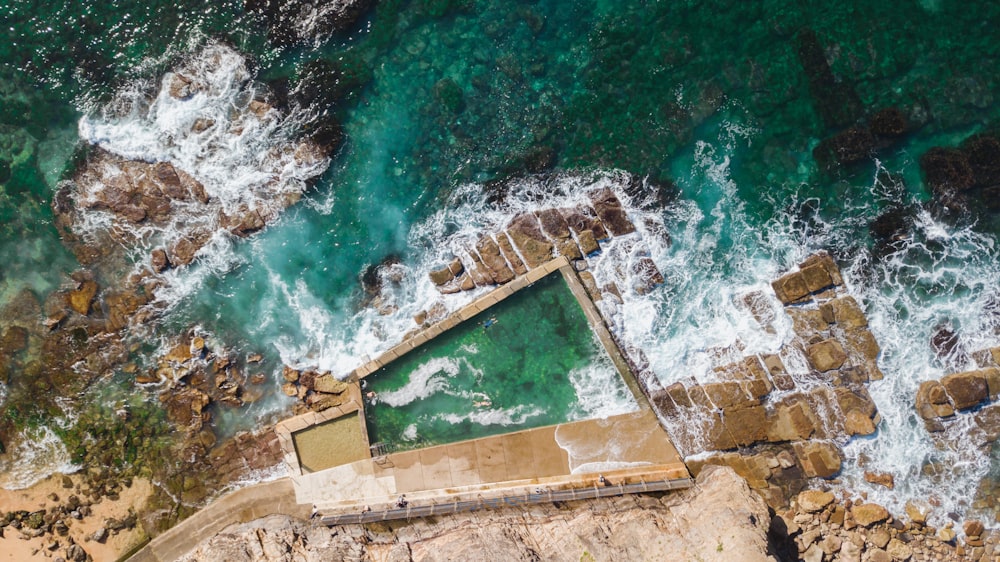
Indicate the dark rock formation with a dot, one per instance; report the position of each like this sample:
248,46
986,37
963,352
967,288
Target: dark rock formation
292,21
835,101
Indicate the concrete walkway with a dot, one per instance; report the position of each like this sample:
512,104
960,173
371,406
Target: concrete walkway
253,502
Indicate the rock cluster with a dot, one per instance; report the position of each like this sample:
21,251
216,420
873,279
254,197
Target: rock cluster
196,374
316,391
719,519
64,510
973,393
819,527
757,401
530,239
969,173
291,21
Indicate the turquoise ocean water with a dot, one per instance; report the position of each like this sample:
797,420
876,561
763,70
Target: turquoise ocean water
438,99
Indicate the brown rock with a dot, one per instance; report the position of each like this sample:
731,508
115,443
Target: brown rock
553,223
869,514
329,385
932,401
816,277
14,339
678,393
588,243
290,374
244,223
966,390
725,395
746,425
465,282
611,212
916,513
507,249
489,253
899,550
879,537
847,313
159,260
81,298
812,501
569,249
973,528
881,478
181,87
856,423
791,421
790,288
992,376
202,124
826,355
818,458
527,236
647,275
441,276
581,219
478,272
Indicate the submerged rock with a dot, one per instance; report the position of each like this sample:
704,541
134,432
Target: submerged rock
291,21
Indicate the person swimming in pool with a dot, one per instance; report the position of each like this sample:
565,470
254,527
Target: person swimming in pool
490,322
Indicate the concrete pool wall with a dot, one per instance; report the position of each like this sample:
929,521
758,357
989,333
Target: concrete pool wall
505,463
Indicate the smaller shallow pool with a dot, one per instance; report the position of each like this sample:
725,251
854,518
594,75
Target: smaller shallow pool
529,361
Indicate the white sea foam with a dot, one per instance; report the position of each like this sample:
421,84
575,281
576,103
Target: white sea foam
600,392
516,415
247,160
37,453
428,379
607,466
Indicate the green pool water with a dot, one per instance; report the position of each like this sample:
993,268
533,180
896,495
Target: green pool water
537,364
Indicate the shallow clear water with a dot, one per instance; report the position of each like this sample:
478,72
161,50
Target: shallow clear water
529,361
455,94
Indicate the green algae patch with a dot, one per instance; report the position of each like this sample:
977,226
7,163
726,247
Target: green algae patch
520,364
333,443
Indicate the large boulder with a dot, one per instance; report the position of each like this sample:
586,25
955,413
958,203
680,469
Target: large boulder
489,253
581,219
983,154
967,390
80,298
611,212
812,501
932,401
292,21
850,146
947,170
868,514
553,223
826,355
526,234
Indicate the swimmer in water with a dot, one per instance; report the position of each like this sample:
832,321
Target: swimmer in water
490,322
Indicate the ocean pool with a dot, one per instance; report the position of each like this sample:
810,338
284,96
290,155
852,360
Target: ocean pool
529,361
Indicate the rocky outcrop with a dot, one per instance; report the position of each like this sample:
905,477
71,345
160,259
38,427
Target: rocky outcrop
820,526
291,21
938,401
967,175
316,391
531,239
718,520
784,427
